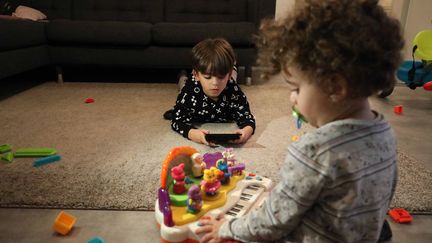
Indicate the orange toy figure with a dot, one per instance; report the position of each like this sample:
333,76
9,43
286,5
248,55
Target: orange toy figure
198,165
178,175
210,183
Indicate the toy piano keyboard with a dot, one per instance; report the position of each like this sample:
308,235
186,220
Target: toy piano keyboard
244,192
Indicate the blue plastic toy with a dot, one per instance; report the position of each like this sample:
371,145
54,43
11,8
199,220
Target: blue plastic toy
417,73
46,160
96,240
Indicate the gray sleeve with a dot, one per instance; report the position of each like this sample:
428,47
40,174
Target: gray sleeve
282,212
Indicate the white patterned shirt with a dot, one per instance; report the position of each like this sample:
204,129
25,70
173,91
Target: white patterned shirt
194,106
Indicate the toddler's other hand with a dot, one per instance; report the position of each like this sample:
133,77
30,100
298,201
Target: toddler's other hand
245,134
210,227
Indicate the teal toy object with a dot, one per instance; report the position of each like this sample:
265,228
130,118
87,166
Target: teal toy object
46,160
35,152
5,148
416,73
96,240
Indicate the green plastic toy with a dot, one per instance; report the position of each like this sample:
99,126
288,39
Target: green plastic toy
8,157
5,148
34,152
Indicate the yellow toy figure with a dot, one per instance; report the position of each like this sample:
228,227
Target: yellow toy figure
198,165
210,183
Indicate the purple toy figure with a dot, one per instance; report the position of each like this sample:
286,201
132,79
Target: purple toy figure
177,173
194,203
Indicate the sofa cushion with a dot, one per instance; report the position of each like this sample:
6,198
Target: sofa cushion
206,11
99,32
21,33
119,10
188,34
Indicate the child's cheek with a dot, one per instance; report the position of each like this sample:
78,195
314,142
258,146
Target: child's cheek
293,98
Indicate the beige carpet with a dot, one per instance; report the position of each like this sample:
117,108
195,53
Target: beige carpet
112,149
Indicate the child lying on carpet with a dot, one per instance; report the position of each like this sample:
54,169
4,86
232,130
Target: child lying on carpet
338,180
210,95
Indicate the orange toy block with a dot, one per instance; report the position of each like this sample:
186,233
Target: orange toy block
64,223
400,215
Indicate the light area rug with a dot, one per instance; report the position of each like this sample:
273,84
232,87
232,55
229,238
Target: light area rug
112,149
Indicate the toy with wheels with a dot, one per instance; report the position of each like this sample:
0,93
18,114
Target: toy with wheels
417,73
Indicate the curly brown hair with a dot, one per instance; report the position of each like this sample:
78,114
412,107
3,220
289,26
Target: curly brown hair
354,39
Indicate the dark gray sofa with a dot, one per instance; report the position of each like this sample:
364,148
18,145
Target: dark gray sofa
127,33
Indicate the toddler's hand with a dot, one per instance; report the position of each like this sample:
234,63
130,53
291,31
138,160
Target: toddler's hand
210,227
198,136
245,134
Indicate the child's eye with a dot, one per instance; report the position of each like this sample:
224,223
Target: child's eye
296,90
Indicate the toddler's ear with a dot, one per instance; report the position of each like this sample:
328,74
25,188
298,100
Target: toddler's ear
339,91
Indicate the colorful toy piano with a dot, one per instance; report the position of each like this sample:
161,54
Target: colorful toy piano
185,195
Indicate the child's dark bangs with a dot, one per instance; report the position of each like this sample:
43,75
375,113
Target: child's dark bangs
216,65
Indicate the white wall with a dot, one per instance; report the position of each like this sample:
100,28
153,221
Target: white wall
418,18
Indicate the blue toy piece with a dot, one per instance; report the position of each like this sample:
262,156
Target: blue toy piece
416,73
96,240
46,160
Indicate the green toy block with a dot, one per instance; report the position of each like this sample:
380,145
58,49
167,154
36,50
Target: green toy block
5,148
34,152
8,157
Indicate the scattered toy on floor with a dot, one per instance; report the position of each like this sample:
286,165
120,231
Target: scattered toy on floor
96,239
400,215
89,100
398,109
8,157
46,160
34,152
64,223
5,148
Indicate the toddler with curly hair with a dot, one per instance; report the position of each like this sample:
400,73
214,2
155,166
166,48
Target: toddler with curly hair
338,180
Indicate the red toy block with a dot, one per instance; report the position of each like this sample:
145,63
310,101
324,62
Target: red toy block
398,109
89,100
428,86
400,215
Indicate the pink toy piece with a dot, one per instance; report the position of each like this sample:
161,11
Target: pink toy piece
177,173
